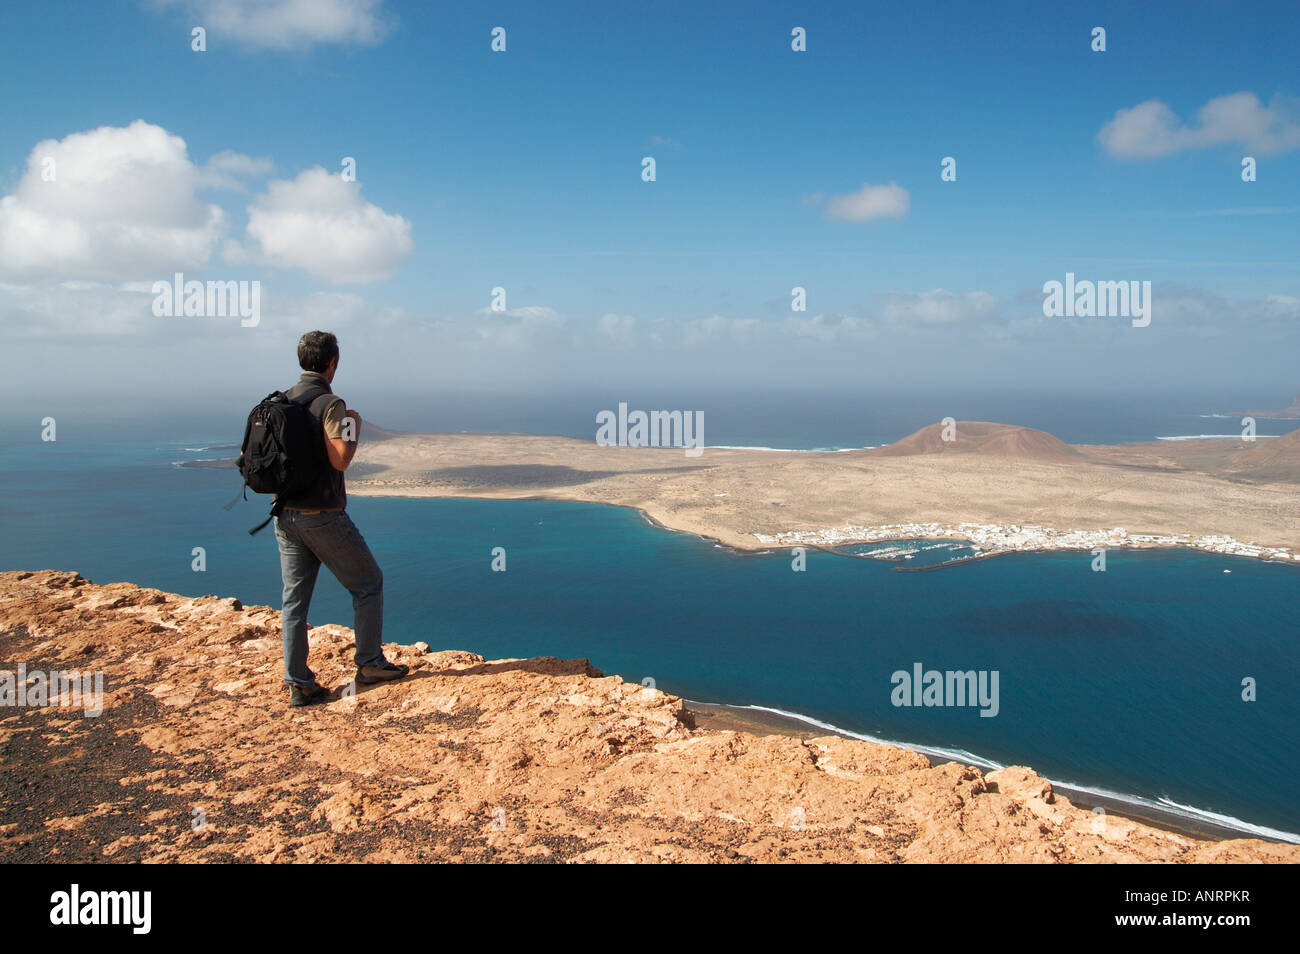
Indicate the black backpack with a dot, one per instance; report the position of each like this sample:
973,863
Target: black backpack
282,454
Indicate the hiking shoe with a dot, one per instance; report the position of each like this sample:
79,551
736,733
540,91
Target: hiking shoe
381,672
306,697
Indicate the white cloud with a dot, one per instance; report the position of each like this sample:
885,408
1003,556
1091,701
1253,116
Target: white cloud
701,331
287,24
121,205
619,330
516,328
320,223
936,307
72,310
828,328
1151,129
237,163
1281,306
338,310
870,202
223,171
1208,314
534,313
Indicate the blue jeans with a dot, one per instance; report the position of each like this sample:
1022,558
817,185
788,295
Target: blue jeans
306,541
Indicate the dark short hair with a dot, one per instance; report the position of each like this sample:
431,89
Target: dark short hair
316,349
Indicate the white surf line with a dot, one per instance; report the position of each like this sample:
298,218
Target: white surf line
993,539
1215,437
792,450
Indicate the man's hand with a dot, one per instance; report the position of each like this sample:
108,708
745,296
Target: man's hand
357,418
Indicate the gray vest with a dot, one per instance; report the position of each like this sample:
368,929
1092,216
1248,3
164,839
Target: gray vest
328,493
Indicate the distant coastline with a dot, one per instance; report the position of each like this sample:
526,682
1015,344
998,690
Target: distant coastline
1272,414
830,544
990,541
1003,488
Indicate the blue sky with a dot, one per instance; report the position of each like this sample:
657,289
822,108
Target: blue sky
522,169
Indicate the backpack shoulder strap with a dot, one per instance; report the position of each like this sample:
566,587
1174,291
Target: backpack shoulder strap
323,401
277,506
306,396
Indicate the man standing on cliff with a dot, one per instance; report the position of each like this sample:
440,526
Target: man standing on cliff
314,528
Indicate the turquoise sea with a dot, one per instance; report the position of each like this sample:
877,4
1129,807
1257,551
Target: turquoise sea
1125,682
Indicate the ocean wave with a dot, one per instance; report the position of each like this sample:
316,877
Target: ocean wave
958,755
791,450
1162,804
1170,807
1228,821
1211,437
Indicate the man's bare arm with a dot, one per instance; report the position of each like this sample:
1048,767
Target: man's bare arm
339,451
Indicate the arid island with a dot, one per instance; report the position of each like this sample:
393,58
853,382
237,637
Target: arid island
1002,487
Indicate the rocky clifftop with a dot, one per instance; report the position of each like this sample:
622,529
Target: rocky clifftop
196,757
